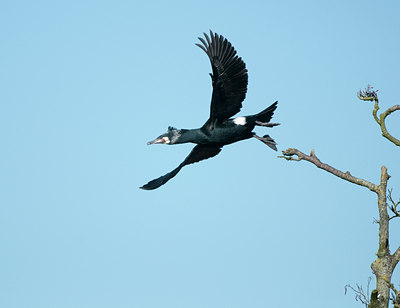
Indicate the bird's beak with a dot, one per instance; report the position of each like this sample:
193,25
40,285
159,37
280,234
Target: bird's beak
159,141
155,141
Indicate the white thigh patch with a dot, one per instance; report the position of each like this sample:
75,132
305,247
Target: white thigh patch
240,121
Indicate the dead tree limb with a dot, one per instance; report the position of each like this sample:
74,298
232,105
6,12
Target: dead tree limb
385,263
312,158
393,205
370,95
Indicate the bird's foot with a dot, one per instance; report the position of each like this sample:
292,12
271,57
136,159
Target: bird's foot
268,141
267,124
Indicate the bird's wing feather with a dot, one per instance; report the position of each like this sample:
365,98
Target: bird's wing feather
199,152
229,78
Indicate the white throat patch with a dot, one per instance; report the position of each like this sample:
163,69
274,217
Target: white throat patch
240,121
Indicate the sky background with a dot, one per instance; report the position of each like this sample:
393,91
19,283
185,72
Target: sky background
85,84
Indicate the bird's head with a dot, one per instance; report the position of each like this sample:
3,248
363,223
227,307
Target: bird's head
170,137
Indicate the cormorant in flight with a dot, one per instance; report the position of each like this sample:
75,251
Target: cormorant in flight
229,80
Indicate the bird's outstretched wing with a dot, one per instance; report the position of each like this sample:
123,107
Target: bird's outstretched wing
199,152
229,78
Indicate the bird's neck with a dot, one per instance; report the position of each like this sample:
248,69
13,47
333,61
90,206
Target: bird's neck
188,135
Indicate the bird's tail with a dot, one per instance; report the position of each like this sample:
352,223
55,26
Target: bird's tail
266,115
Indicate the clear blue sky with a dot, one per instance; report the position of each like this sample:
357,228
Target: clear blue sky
85,84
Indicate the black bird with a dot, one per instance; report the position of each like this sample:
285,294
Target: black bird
229,80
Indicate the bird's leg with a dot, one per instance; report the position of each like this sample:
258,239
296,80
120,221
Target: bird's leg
267,124
267,140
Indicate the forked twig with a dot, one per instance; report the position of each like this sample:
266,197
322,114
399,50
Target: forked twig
369,94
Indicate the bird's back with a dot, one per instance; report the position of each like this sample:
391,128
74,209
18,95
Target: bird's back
228,132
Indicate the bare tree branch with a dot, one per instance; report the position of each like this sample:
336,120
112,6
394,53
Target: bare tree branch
360,295
383,126
385,263
370,95
393,205
289,153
